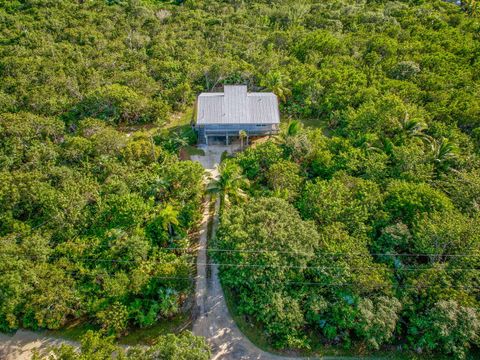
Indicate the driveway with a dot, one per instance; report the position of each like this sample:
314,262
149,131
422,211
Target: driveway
22,344
213,319
213,155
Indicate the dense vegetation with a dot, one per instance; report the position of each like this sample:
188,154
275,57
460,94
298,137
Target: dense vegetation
167,347
330,61
89,214
342,244
85,219
370,235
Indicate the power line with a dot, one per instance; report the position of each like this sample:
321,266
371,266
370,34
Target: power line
274,266
49,220
101,271
309,267
339,254
87,272
307,283
335,254
310,283
423,286
292,252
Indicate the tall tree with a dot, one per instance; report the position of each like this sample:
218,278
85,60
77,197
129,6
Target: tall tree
277,82
230,184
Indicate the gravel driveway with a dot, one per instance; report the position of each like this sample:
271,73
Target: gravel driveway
20,346
213,318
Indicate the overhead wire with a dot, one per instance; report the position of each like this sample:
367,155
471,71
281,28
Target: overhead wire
299,283
247,265
317,255
259,251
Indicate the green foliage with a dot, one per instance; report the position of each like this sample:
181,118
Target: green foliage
256,162
448,327
284,179
270,224
405,201
394,85
114,319
464,189
276,83
230,183
385,246
120,104
85,215
377,320
169,347
446,233
135,62
405,70
351,201
93,346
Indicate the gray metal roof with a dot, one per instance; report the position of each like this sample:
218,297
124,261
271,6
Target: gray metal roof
237,106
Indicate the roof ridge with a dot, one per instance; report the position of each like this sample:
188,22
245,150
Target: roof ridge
236,106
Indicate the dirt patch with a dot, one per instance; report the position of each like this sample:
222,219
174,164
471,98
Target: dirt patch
22,344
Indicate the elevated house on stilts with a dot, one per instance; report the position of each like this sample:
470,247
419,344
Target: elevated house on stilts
222,117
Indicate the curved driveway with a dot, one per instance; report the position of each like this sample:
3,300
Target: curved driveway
213,319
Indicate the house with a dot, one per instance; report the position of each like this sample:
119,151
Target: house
222,116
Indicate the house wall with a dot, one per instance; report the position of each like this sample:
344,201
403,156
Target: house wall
232,130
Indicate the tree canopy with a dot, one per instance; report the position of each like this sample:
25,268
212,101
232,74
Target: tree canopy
349,258
168,347
88,225
369,221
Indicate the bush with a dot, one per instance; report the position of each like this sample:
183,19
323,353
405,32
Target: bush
185,346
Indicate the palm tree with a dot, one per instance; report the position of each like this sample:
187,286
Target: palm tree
229,184
294,142
413,128
372,143
243,136
180,140
168,302
169,219
275,81
443,152
294,128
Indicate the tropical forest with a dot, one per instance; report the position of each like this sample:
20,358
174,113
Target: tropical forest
354,231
